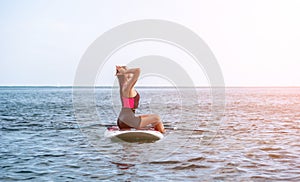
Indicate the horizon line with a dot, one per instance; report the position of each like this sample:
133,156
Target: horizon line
150,86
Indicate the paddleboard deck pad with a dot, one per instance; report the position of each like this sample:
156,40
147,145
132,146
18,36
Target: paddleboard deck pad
133,135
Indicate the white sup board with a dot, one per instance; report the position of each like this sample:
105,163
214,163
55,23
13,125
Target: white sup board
133,135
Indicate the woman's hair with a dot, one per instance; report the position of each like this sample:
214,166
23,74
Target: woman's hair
117,71
121,77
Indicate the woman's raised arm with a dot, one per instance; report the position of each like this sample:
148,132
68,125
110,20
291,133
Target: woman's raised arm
136,73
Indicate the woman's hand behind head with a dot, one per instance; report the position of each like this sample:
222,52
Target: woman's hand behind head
120,70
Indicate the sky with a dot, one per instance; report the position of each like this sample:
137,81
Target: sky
256,42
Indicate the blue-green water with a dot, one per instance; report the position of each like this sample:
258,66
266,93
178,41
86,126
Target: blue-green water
258,139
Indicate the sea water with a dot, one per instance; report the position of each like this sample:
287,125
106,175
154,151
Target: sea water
46,136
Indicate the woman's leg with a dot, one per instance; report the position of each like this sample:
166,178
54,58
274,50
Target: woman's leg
122,125
154,120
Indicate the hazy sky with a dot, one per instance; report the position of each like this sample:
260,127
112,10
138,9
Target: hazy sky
256,42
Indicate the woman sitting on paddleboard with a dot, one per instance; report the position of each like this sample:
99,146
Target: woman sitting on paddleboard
130,101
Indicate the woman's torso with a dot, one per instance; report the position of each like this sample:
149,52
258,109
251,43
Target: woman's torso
130,99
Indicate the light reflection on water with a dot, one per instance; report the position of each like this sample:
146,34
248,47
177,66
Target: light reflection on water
258,139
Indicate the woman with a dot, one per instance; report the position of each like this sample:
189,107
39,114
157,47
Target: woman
130,101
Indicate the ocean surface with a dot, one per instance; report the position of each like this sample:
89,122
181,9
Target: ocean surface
56,134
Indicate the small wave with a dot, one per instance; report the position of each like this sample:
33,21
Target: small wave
190,166
9,178
36,128
8,118
24,171
196,159
49,155
270,148
276,156
123,165
165,162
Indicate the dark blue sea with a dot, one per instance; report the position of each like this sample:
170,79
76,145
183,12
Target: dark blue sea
57,134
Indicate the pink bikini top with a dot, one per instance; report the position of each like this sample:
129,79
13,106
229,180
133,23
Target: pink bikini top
131,102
